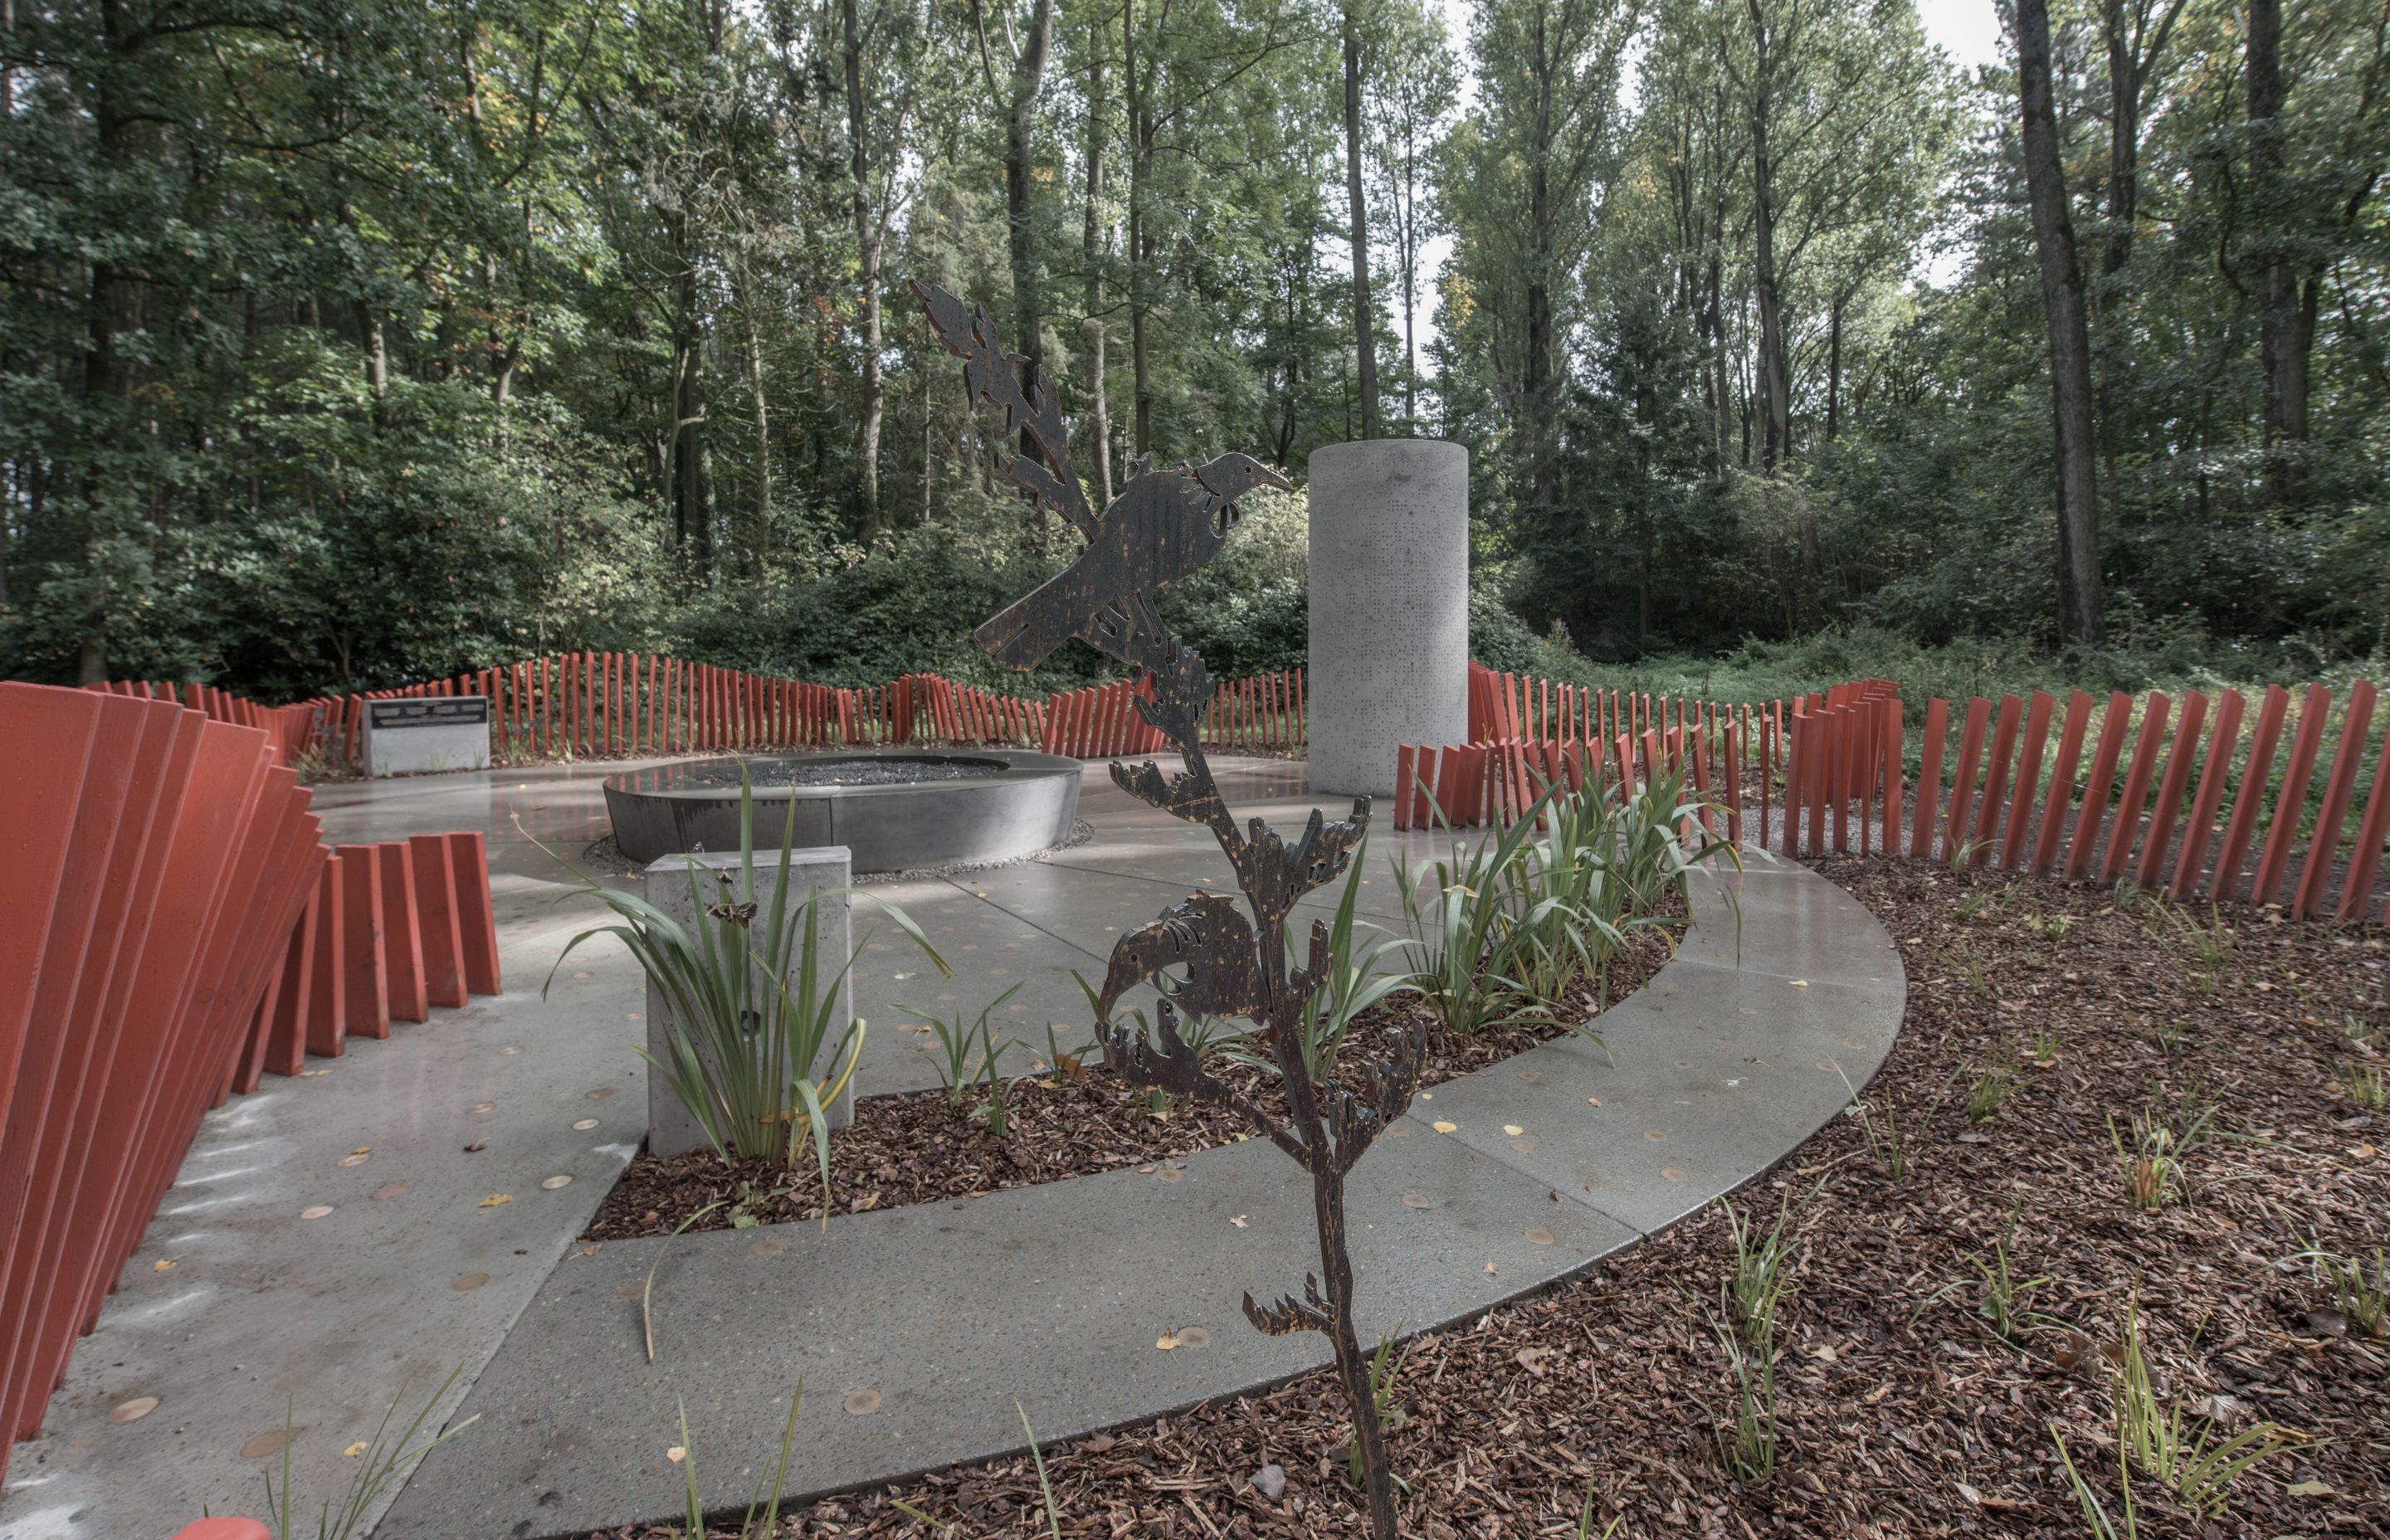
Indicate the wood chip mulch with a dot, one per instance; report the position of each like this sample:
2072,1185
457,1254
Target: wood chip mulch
1901,1412
925,1147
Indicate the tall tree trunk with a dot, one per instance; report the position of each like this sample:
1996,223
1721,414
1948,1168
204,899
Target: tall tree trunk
1019,147
866,244
2070,346
1775,383
2286,325
692,533
1092,243
1140,153
1364,309
759,531
1834,367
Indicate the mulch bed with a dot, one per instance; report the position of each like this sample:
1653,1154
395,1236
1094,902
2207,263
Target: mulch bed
1901,1412
923,1146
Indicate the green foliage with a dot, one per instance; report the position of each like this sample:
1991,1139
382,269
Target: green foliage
754,1001
762,1519
383,1464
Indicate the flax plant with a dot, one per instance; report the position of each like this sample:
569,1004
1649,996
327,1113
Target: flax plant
754,1003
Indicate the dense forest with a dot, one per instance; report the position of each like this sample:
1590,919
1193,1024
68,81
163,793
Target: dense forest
345,342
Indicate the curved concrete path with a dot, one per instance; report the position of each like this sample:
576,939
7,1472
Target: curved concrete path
915,1331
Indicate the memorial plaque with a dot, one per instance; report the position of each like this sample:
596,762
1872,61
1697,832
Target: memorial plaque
425,734
436,711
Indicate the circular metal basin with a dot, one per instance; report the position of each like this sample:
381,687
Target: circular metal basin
894,810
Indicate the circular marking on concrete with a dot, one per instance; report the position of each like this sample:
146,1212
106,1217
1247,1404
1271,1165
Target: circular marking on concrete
1531,1076
1655,1136
134,1410
631,1290
861,1403
1673,1175
389,1190
1418,1200
1524,1147
1169,1173
1538,1235
553,1182
1194,1335
352,1159
319,1211
768,1247
470,1281
482,1107
598,1095
584,1125
264,1445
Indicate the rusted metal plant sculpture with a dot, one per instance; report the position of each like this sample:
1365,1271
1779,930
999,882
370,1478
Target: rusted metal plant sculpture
1164,525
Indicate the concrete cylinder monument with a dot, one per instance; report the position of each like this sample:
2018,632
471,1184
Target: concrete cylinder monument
1389,607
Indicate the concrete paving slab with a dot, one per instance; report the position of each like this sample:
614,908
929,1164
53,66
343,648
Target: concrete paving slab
938,1319
334,1313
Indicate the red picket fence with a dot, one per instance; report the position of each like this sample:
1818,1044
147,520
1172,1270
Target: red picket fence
604,705
2197,803
289,730
2179,802
160,871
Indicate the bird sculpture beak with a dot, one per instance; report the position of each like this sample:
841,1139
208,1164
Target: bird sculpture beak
1270,478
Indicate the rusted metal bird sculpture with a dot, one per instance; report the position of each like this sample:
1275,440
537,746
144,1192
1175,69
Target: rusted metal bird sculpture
1164,525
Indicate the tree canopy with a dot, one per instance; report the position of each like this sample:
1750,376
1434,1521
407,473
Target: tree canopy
346,343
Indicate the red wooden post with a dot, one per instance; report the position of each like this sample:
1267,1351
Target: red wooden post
1404,770
2293,799
285,1044
1895,790
326,991
2200,827
2027,785
2242,825
2151,868
2339,790
402,933
1963,794
469,863
1995,781
2127,823
2061,795
2356,889
436,914
364,984
2094,811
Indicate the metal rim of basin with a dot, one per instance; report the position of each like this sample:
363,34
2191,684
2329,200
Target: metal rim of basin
1029,804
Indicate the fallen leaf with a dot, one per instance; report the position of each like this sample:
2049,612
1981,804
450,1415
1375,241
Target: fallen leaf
1532,1359
1489,1268
477,1146
354,1450
495,1198
163,1264
1166,1341
1443,1127
1824,1353
676,1454
362,1150
1513,1129
2309,1489
1593,1101
1800,983
1237,1220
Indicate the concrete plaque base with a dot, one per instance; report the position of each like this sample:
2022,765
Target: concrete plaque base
671,1130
